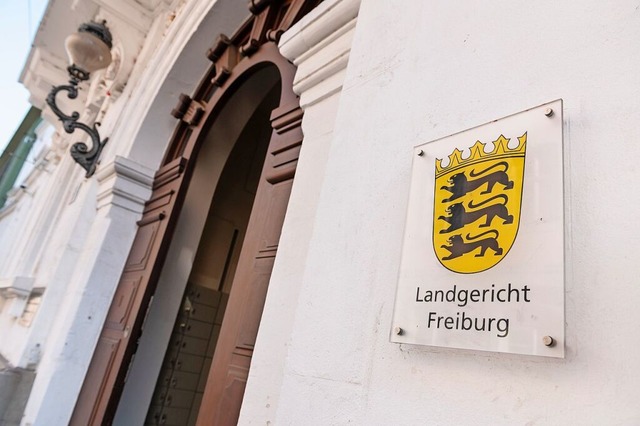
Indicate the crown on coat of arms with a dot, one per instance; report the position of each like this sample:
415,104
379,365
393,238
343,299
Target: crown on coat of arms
478,154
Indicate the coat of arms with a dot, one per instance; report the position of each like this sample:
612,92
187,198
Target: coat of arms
477,205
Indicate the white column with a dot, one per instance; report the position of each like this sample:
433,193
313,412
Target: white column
319,46
123,187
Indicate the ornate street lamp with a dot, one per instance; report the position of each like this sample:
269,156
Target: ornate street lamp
89,50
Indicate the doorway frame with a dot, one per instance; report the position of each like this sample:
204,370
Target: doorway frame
254,43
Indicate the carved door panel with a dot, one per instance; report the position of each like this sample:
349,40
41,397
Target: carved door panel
229,371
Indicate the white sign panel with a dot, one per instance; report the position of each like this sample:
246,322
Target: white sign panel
483,256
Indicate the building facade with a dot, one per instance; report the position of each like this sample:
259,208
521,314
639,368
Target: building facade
235,256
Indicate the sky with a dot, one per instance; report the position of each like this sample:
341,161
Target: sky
19,21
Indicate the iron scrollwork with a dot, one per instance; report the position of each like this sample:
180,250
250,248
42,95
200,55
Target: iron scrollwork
85,157
92,38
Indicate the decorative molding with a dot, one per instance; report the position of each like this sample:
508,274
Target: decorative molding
170,38
319,45
170,171
42,70
285,118
188,110
154,4
317,29
134,14
124,183
17,286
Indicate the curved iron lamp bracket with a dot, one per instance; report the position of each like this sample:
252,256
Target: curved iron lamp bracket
85,157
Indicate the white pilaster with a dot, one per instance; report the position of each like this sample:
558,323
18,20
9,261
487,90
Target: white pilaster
123,187
319,46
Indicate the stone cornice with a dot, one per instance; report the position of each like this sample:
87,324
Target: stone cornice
125,184
17,286
319,45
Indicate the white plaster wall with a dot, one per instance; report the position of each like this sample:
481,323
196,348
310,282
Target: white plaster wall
422,70
47,192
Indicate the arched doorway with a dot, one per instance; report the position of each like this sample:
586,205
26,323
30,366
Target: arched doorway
201,261
248,56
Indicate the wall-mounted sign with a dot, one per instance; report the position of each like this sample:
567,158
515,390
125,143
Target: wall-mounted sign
483,255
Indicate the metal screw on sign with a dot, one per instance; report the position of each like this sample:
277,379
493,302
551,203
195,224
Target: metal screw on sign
399,331
420,153
548,112
548,341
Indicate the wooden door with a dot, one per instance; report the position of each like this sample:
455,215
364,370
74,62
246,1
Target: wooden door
229,371
234,59
118,339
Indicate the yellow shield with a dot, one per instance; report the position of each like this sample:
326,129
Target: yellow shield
477,205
